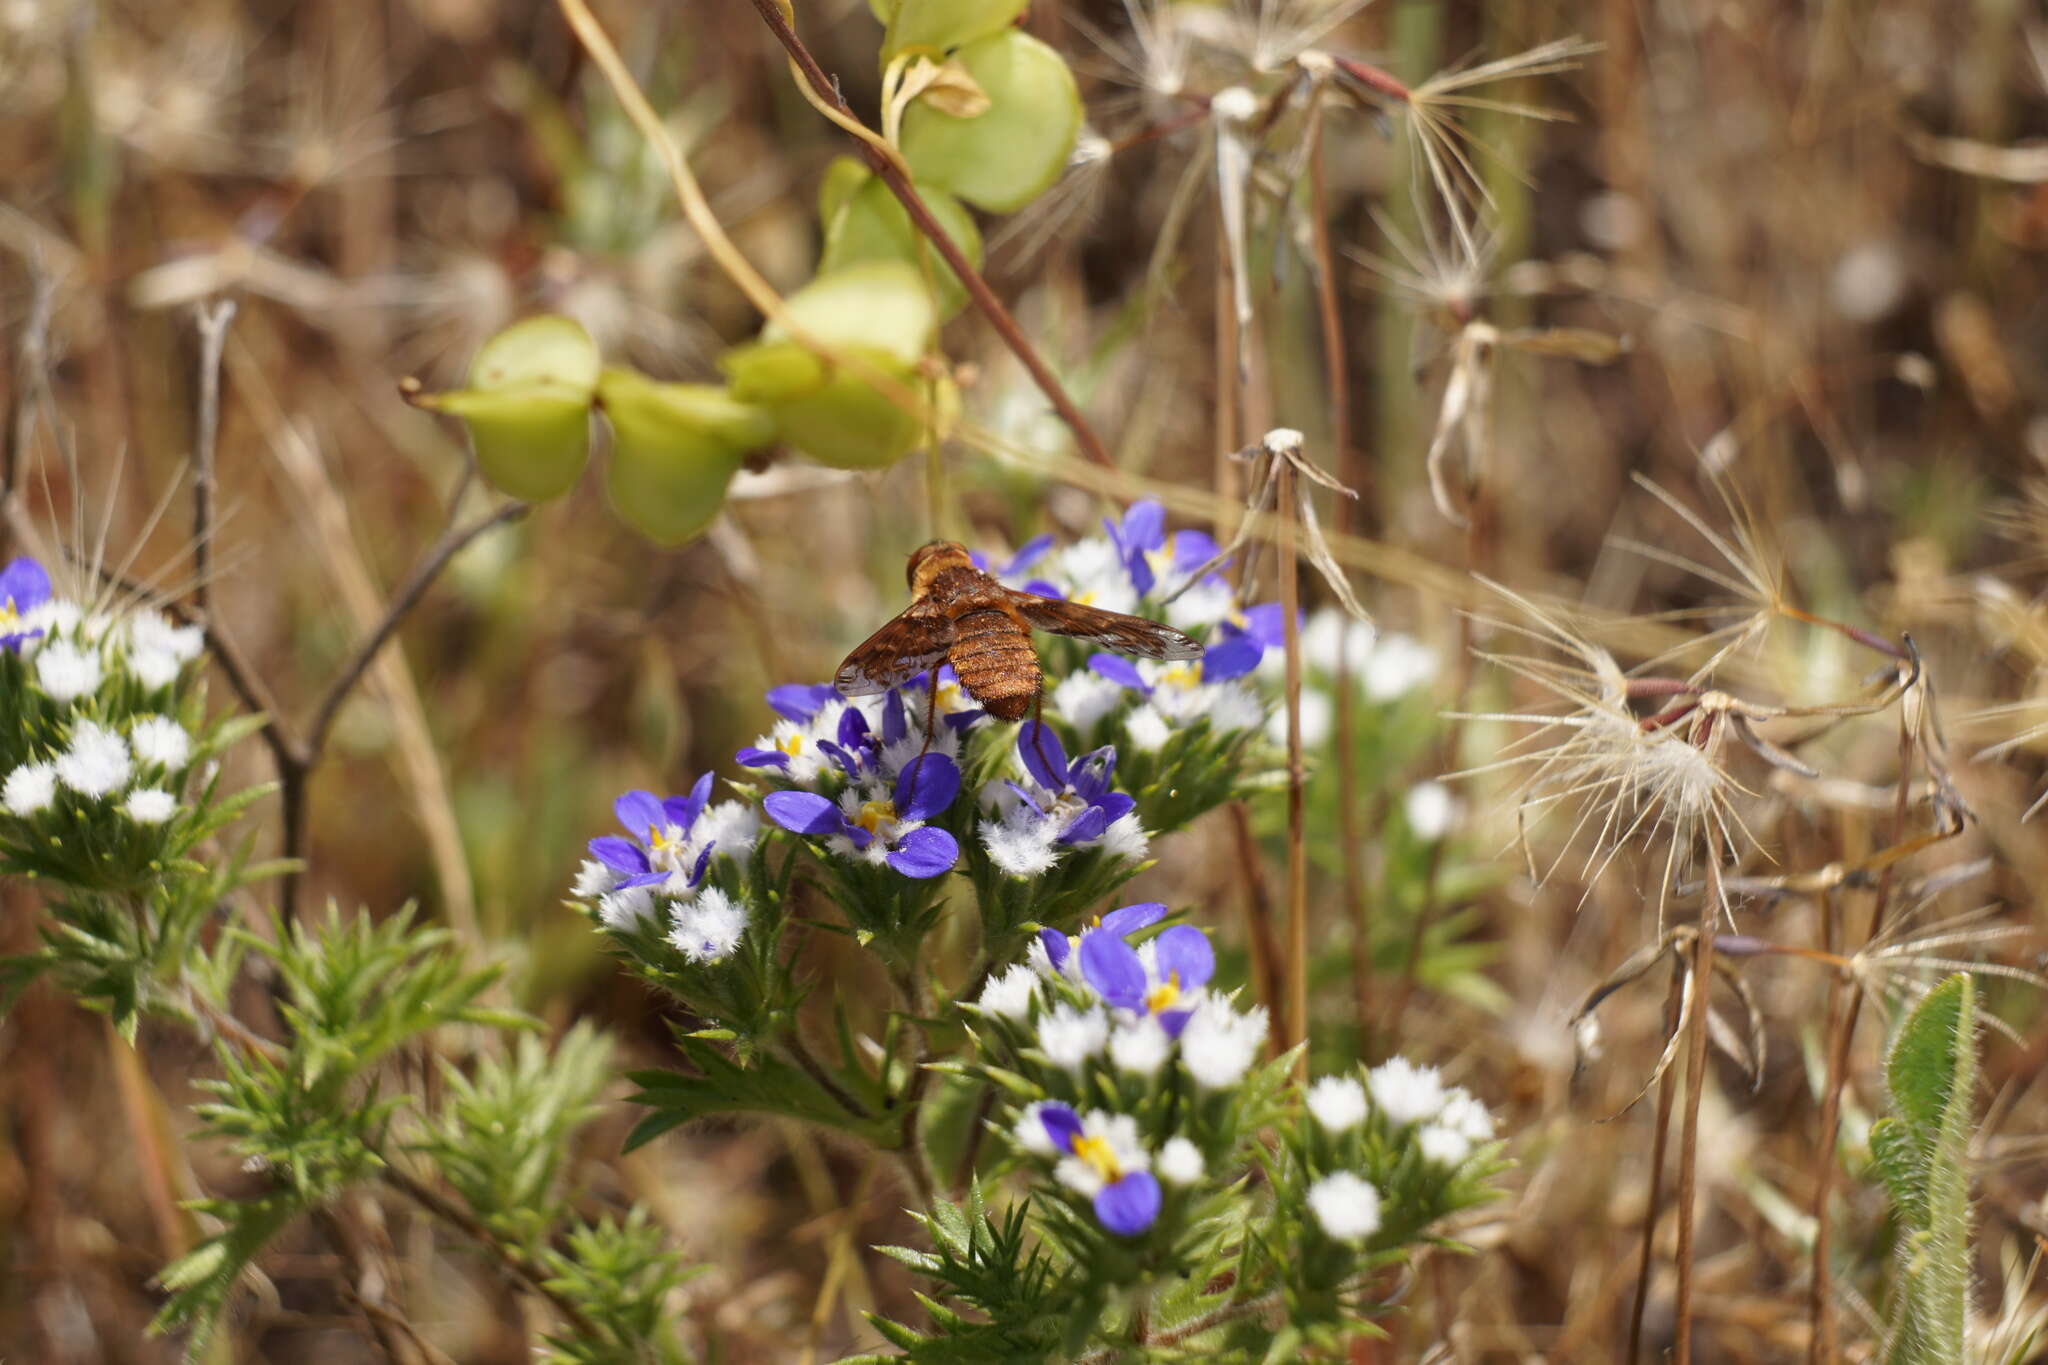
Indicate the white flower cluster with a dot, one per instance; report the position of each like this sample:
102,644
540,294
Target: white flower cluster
1176,696
1447,1122
77,648
1384,665
141,770
1072,1024
705,922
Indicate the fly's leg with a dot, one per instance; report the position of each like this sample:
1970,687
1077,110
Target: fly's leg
931,721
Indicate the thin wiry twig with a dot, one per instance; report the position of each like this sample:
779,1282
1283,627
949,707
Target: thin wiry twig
897,179
1711,911
213,321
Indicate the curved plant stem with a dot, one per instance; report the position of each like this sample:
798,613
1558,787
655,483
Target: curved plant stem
1665,1087
1711,911
892,173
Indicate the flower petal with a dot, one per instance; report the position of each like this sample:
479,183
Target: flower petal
1115,805
1126,920
1062,1125
853,728
1144,525
639,813
1056,947
1086,827
1192,549
1173,1021
926,786
1044,757
1122,672
799,701
682,811
1266,623
894,726
925,852
1112,967
1129,1205
1045,589
1090,773
1231,658
25,584
751,757
620,855
804,812
1029,553
1184,952
848,763
704,861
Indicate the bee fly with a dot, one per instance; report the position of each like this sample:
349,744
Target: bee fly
961,616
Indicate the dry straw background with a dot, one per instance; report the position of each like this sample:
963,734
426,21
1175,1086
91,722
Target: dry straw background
1818,228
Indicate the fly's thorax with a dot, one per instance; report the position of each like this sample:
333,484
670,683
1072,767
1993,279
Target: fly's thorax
933,559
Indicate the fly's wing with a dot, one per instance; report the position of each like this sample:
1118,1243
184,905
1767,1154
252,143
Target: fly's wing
905,647
1110,629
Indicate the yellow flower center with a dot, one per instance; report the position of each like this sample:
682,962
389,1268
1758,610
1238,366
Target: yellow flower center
1097,1153
791,744
1162,996
874,815
1084,599
659,842
1180,675
9,617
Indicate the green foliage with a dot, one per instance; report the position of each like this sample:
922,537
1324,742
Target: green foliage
527,406
620,1275
1002,1295
1921,1152
502,1134
308,1112
763,1084
1010,152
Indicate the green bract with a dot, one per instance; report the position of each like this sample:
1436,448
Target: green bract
527,406
674,449
875,312
946,24
868,224
1002,159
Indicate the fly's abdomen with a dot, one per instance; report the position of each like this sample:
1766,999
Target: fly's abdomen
992,653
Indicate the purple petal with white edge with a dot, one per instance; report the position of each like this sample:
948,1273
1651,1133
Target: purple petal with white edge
1029,553
644,879
14,641
1056,947
804,813
799,701
1044,757
682,811
1118,670
640,812
1173,1021
1112,967
1062,1125
1115,806
1045,589
1129,1205
961,720
926,786
1145,525
1129,919
750,757
24,584
1185,956
925,852
1086,827
1266,623
704,861
1233,658
620,855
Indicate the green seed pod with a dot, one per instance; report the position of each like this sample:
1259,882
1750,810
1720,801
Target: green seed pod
527,406
870,225
877,312
943,25
675,447
1010,153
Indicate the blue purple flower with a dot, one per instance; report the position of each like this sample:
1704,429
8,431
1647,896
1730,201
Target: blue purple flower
1062,804
884,830
24,586
1163,978
1101,1157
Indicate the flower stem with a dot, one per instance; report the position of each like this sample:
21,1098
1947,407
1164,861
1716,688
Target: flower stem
1297,815
1711,910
